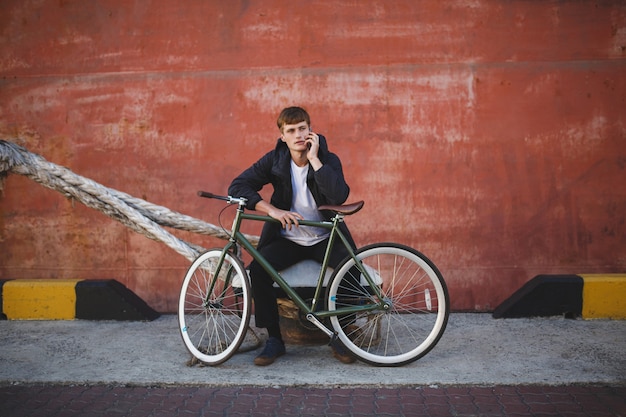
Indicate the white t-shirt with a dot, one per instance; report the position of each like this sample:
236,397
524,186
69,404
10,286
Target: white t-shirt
304,204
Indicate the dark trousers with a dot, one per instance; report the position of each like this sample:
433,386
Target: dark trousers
281,254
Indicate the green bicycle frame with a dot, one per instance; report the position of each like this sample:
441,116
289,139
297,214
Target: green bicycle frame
238,238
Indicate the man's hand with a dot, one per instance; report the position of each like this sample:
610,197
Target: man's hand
313,142
288,219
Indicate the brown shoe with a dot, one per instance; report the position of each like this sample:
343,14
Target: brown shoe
274,348
341,353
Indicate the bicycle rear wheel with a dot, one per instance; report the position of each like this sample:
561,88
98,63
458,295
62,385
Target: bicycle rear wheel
214,310
413,288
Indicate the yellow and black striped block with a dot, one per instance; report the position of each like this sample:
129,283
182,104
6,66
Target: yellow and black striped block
590,296
68,299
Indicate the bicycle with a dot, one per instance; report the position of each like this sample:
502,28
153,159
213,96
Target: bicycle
386,303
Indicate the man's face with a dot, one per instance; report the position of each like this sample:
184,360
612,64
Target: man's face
295,136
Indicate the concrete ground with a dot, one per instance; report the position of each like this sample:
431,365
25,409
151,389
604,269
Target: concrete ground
475,350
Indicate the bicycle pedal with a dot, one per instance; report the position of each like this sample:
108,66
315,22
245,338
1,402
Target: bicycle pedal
334,340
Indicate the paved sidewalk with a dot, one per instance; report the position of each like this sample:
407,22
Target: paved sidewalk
482,366
475,349
116,401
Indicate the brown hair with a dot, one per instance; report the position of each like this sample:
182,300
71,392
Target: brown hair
292,116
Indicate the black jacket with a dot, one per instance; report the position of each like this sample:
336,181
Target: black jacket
327,185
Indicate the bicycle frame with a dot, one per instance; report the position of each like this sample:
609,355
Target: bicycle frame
238,238
386,303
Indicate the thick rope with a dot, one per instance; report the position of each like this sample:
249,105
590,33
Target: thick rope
137,214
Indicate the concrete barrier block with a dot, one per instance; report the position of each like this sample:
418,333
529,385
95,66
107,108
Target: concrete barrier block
39,299
544,296
62,299
604,296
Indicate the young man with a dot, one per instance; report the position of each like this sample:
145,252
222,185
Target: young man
304,175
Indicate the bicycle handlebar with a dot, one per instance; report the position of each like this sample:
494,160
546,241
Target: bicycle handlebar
229,199
207,194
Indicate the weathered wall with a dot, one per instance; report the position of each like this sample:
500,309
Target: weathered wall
488,134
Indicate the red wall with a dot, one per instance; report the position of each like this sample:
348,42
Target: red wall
488,134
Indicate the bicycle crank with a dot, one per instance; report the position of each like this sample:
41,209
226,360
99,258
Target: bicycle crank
311,317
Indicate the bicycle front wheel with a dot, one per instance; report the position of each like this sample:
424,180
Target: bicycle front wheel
214,309
417,305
